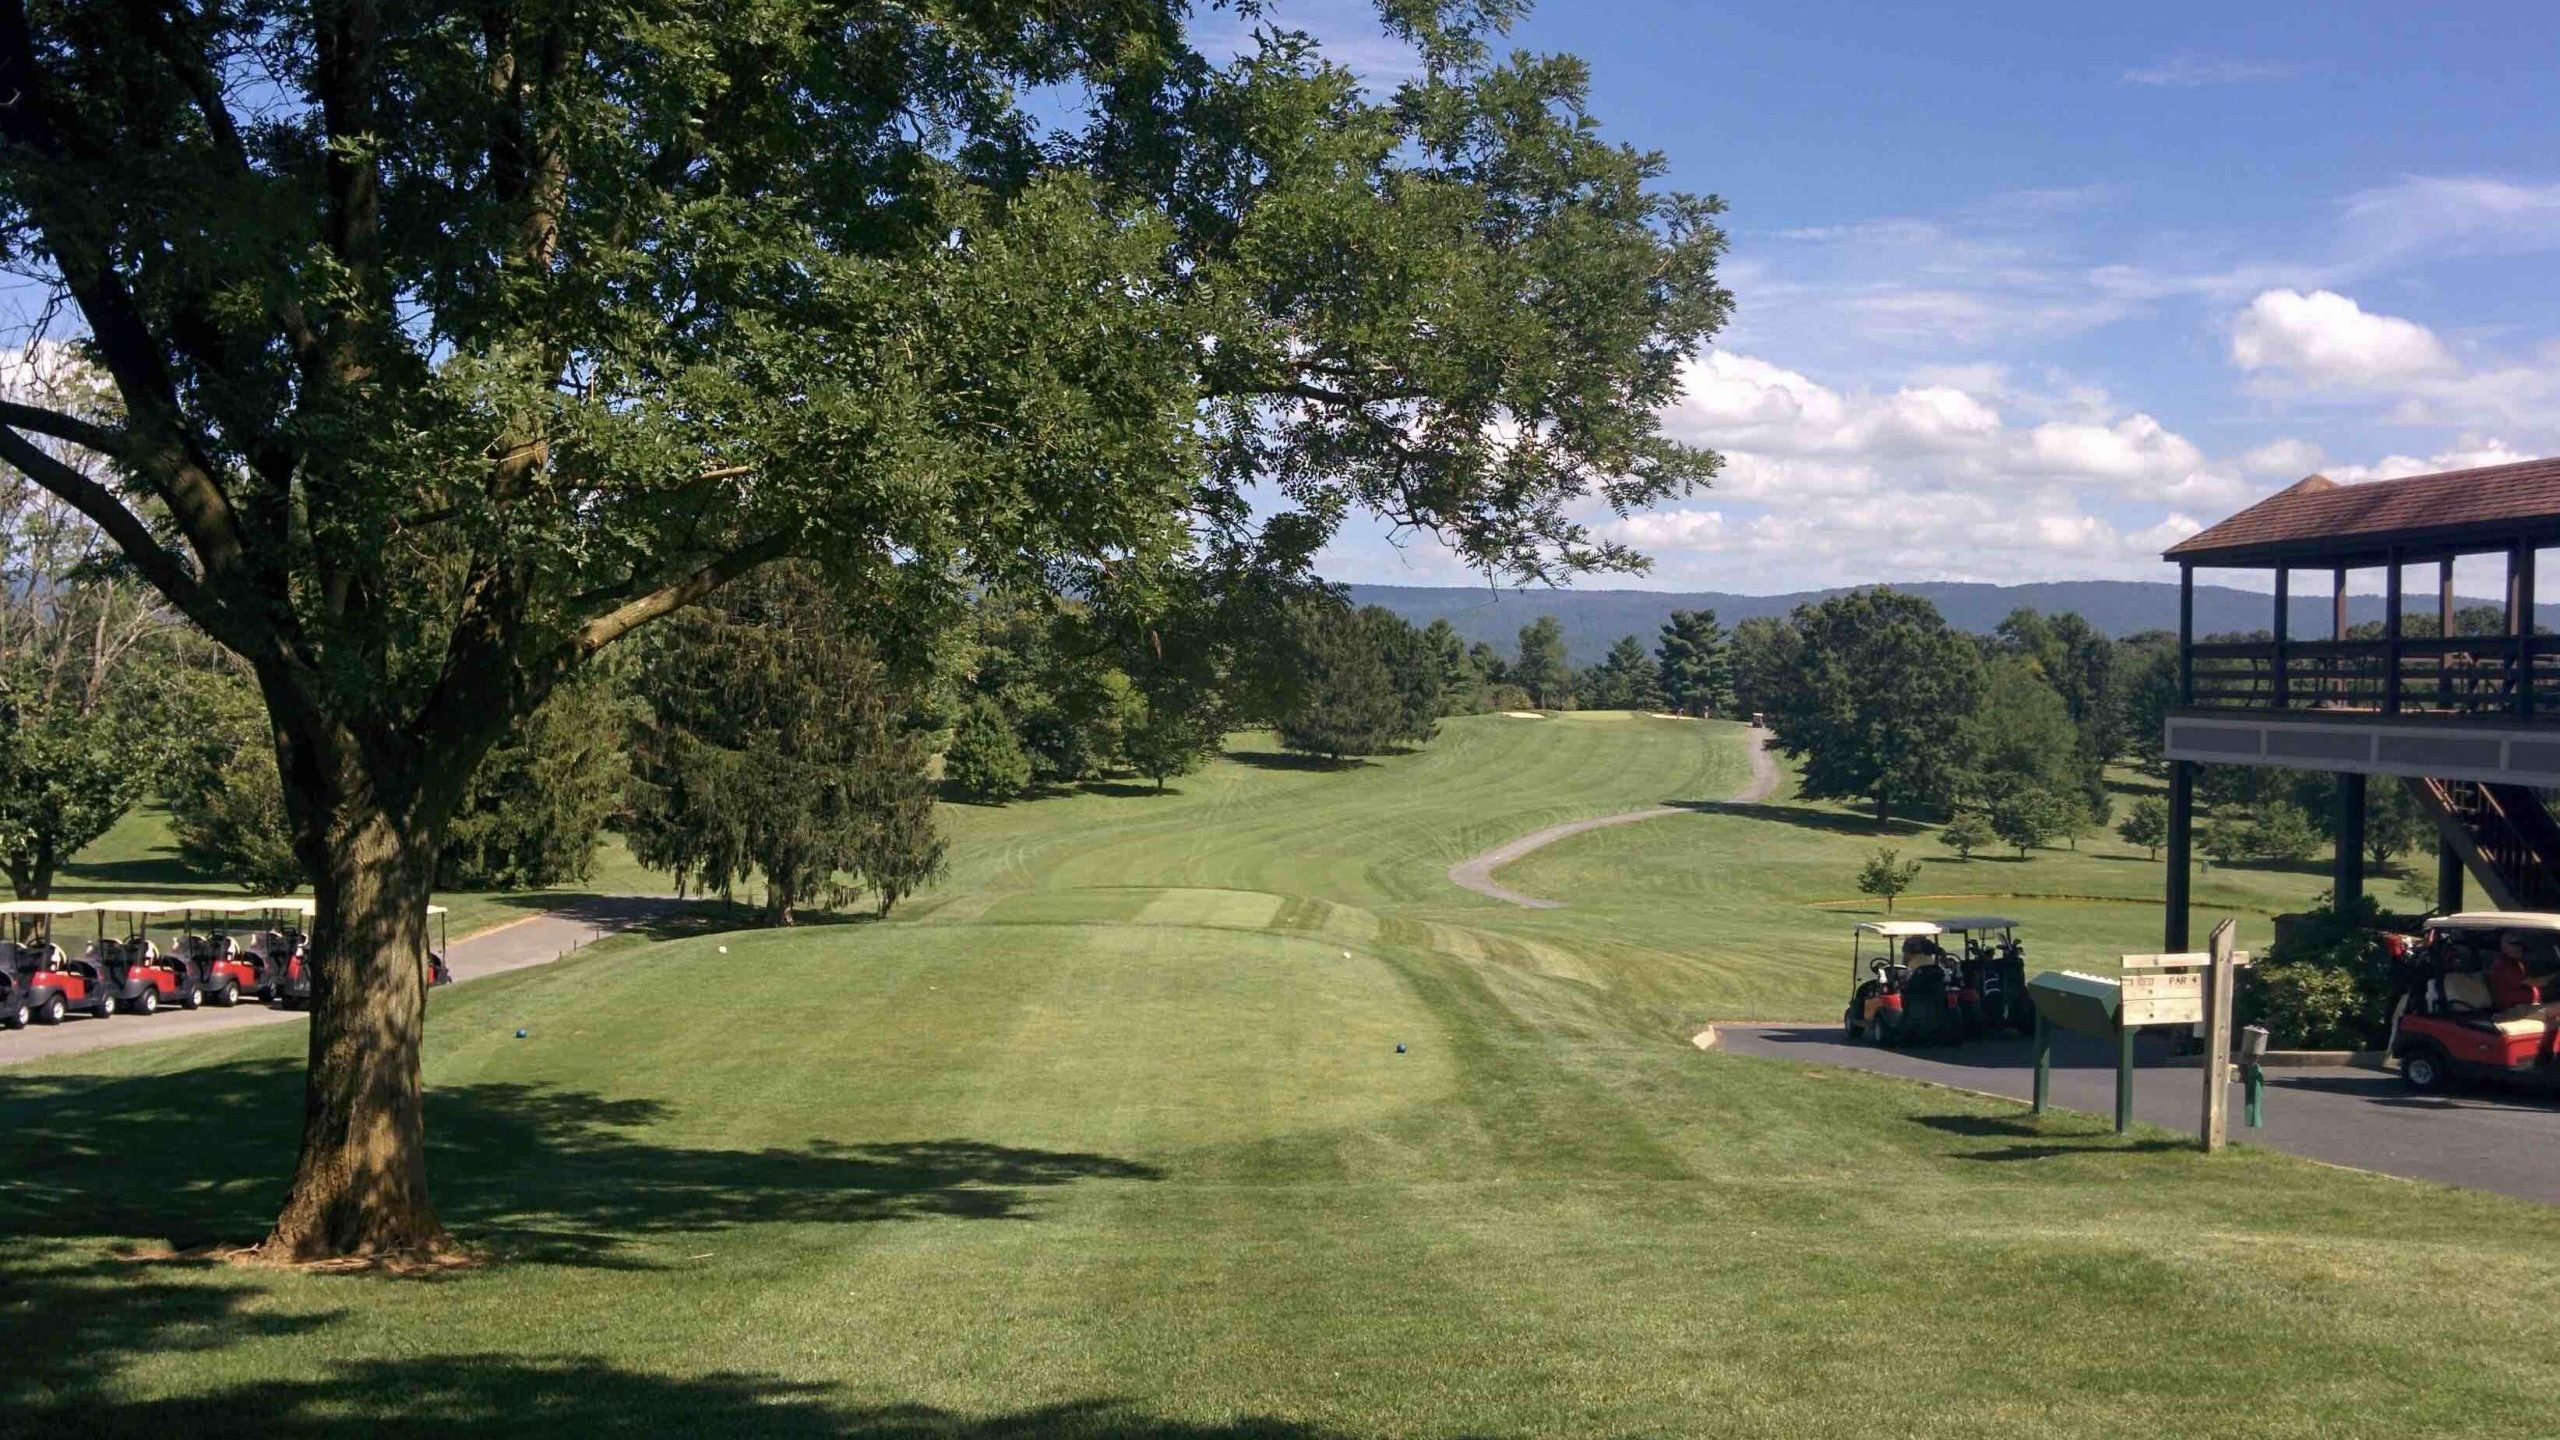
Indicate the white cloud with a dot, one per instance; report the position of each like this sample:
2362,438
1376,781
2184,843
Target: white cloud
2324,338
2289,458
2190,71
2469,454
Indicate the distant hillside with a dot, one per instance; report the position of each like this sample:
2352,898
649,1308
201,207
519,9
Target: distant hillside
1594,619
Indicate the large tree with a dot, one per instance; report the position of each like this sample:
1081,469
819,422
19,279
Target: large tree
450,348
1877,700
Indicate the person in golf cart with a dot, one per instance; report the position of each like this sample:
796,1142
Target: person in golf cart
2479,1000
1900,988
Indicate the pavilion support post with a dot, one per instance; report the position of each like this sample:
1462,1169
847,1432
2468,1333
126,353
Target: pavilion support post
2182,824
2338,633
2346,887
2186,635
2448,878
2283,631
2391,603
2444,631
2521,623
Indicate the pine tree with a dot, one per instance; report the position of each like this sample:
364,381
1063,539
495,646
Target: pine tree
1543,668
1347,702
1695,664
772,743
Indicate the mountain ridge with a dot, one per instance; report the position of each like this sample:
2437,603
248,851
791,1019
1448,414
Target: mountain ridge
1595,619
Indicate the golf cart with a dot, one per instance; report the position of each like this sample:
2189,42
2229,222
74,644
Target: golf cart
46,985
285,947
438,973
141,975
238,961
1903,989
2452,1026
1992,966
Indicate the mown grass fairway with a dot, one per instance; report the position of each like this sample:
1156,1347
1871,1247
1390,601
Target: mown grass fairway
1110,1137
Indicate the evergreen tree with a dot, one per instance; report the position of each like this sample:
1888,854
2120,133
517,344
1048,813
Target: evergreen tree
1695,664
1347,702
1623,680
1460,681
536,808
985,762
1543,668
771,743
1414,666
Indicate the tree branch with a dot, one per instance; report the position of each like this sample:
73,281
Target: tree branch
127,530
88,435
679,592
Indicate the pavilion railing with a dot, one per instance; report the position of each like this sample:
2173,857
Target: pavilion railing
2515,677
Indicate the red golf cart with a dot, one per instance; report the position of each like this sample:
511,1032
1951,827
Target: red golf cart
1902,989
142,976
235,955
2453,1025
48,984
286,945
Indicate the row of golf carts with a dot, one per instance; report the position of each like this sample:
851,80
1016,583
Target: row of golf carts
142,955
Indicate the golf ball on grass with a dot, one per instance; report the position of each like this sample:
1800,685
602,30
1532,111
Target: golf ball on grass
521,1034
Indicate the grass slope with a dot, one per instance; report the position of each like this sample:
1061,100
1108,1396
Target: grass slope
1112,1138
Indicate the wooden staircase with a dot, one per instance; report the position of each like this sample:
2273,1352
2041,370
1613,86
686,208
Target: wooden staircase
2505,835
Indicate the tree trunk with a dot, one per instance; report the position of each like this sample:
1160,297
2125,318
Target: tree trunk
31,876
360,1188
1884,813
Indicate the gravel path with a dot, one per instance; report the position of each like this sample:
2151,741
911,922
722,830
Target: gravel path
534,940
1477,873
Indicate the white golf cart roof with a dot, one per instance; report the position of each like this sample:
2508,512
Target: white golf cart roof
43,907
290,904
435,910
139,907
1977,922
1898,929
2534,920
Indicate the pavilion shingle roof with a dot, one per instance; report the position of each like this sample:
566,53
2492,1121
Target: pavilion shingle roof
2319,510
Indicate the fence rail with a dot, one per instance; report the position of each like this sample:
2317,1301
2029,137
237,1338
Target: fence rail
2486,677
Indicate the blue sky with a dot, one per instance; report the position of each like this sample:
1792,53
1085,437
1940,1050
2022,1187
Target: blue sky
2026,292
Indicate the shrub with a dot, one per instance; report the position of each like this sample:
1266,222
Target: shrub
1968,831
2330,985
1887,875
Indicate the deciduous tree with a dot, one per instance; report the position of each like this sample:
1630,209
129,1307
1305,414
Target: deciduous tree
1875,700
1887,875
447,353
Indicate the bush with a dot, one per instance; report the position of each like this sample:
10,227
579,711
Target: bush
985,762
2330,986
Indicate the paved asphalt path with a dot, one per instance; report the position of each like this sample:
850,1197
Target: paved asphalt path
1476,873
534,940
2483,1139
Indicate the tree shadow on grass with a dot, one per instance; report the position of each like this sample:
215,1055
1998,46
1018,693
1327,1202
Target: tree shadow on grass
1836,822
485,1394
1292,760
521,1171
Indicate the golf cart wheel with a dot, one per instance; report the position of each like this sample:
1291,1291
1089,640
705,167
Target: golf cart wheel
148,1002
15,1018
1886,1031
2424,1071
192,999
1849,1023
228,995
106,1008
52,1011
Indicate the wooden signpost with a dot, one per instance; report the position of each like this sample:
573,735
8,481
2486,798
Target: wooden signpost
2188,988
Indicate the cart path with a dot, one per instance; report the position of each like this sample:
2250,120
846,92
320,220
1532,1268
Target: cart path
534,940
2506,1141
1477,874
